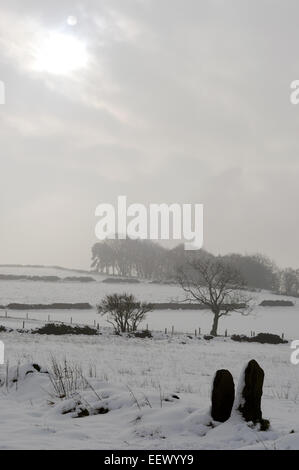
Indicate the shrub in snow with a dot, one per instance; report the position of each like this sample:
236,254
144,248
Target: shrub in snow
66,378
249,395
263,338
268,338
208,337
62,329
142,334
223,395
123,311
77,409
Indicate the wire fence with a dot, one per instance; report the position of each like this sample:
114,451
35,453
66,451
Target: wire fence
169,331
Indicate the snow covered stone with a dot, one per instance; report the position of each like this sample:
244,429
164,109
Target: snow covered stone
251,394
223,395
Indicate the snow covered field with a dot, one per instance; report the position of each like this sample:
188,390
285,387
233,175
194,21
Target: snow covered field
136,379
276,320
133,377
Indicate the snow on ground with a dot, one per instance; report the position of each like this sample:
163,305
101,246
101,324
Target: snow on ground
133,377
39,270
276,320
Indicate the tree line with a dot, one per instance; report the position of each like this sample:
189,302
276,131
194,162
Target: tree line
148,260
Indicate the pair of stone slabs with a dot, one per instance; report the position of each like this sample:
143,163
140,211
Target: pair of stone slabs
223,394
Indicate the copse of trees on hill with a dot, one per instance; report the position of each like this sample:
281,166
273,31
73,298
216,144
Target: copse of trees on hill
258,271
288,282
141,258
148,260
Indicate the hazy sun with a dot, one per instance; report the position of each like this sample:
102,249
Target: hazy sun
60,54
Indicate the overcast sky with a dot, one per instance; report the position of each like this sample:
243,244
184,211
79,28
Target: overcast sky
177,101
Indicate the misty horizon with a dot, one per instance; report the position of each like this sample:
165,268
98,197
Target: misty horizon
168,245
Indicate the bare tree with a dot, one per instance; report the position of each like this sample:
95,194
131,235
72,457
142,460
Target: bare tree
215,284
123,311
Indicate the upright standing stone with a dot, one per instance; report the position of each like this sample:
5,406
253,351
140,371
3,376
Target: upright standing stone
252,392
223,395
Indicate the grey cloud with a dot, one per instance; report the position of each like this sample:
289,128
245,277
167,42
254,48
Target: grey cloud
182,102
